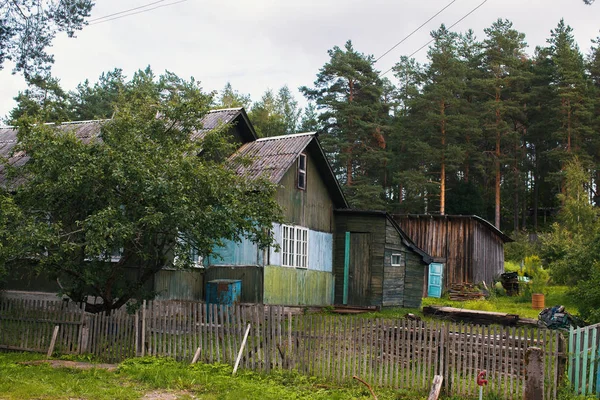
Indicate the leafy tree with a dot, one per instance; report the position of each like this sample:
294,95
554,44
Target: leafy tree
567,248
143,189
230,98
43,98
348,92
28,27
287,106
266,117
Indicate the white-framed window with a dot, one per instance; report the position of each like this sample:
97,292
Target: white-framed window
397,259
302,171
294,246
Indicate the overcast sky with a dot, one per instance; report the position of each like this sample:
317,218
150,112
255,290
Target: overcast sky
262,44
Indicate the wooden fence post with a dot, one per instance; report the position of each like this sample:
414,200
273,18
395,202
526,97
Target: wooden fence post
534,381
53,341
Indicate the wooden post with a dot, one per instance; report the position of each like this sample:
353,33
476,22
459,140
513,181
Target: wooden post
534,381
436,387
239,356
52,342
196,355
143,333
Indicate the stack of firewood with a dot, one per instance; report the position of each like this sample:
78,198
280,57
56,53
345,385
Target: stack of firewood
465,291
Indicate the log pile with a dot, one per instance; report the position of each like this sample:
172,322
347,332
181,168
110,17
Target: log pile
465,291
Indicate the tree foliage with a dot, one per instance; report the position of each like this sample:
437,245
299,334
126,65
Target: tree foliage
143,189
27,28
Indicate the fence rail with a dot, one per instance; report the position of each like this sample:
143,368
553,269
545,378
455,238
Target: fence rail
393,353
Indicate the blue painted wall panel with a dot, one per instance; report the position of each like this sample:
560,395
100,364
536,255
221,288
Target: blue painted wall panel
320,251
275,257
236,253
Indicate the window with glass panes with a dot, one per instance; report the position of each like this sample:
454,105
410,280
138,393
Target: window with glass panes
294,246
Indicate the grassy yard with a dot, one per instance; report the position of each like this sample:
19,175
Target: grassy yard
152,378
512,305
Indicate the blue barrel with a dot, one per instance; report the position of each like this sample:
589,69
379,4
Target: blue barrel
223,291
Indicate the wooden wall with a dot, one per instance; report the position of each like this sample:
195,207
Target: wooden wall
180,285
470,251
251,276
389,286
364,223
313,207
297,286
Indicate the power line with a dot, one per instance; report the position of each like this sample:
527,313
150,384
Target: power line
410,34
450,27
124,11
139,12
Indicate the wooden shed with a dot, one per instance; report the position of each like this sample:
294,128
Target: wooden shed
375,263
469,248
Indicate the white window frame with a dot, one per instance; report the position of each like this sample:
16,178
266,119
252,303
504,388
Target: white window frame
294,246
400,257
302,171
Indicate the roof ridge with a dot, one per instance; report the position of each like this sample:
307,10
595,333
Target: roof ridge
292,135
226,109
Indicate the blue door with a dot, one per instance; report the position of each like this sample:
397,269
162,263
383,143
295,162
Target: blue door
436,273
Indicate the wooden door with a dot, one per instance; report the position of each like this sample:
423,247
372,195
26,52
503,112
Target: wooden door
436,274
359,278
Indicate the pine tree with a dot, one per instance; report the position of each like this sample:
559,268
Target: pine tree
348,92
230,98
504,57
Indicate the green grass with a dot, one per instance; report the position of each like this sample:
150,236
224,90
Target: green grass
136,377
512,305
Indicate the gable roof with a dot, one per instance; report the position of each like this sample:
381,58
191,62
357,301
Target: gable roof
504,237
86,131
427,259
272,157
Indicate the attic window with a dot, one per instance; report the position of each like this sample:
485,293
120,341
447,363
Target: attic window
302,172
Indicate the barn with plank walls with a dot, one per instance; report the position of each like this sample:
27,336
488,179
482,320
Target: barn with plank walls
375,263
469,248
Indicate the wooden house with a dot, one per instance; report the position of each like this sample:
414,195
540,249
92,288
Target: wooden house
299,269
375,262
465,248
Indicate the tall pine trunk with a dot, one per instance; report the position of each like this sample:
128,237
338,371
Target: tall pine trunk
443,166
497,163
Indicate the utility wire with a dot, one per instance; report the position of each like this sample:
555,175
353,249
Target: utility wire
124,11
410,34
450,27
138,12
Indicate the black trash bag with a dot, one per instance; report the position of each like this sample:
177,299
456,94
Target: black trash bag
557,318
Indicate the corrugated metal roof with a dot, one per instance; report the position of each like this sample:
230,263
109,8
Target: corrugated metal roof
271,157
216,118
90,130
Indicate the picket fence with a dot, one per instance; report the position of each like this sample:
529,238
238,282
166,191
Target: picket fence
584,357
392,353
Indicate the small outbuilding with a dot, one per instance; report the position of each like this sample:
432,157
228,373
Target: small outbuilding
465,248
375,262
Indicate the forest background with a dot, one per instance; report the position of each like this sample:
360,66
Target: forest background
481,128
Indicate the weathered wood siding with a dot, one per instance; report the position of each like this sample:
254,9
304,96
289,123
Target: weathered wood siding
251,276
402,285
179,285
297,286
470,251
362,223
313,207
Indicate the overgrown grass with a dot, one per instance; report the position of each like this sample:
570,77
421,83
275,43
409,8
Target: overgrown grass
512,305
141,375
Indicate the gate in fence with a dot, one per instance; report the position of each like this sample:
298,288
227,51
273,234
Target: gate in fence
394,353
584,356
